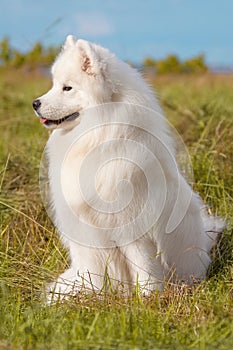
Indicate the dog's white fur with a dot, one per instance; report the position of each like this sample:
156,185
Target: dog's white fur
181,253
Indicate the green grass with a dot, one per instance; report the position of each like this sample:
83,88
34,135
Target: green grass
201,317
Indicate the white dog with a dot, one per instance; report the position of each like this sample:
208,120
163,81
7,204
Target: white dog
121,206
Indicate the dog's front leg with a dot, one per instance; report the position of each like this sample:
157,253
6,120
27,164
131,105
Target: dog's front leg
145,266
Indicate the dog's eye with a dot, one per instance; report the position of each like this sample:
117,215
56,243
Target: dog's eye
66,88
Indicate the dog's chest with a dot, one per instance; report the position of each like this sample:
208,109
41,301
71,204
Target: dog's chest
70,167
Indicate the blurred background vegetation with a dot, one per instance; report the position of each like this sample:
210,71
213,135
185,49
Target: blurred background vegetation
37,57
172,64
40,57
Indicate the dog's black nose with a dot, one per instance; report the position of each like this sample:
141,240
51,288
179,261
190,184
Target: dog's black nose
36,104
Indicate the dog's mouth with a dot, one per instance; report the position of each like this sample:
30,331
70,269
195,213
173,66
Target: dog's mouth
50,122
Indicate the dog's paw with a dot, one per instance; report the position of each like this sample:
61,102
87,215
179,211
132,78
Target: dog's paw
61,290
65,287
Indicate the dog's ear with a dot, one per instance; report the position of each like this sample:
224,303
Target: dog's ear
89,57
70,41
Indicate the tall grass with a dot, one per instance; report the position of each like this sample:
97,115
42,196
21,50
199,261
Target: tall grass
200,317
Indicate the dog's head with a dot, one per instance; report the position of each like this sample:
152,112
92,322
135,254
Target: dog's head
80,80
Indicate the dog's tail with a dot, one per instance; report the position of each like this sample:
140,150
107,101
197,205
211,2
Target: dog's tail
213,226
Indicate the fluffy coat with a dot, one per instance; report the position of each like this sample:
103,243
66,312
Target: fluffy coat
117,197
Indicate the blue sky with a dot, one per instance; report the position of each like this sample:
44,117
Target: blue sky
133,29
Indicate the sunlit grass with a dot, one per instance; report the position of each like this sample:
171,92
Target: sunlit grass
31,255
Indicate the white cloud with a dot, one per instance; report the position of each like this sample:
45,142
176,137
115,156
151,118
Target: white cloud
93,24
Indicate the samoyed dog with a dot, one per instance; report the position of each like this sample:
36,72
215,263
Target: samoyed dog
116,195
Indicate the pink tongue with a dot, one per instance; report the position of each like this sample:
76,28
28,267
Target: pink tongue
43,120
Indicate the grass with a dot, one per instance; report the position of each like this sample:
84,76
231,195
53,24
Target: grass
201,317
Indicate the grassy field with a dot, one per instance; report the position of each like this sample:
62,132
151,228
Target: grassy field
201,317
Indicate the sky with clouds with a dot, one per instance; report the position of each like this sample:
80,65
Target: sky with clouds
133,29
